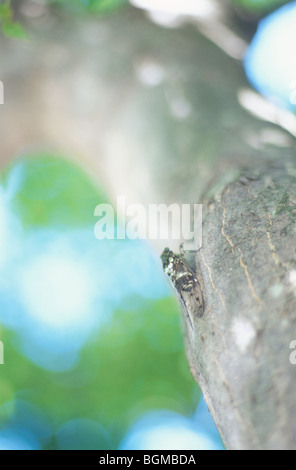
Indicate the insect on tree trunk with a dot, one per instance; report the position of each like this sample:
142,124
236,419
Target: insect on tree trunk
239,350
146,150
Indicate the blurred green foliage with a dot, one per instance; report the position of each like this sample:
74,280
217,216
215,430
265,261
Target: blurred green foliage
53,191
93,6
258,6
133,366
10,27
130,365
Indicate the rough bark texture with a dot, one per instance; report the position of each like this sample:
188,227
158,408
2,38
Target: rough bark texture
239,351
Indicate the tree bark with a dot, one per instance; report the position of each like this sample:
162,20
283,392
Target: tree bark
239,350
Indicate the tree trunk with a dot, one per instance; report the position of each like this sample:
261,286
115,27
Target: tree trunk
239,350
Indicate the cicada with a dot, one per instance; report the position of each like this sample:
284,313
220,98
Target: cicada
185,283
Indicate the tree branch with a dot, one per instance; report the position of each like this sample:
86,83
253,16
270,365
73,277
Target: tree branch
239,350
